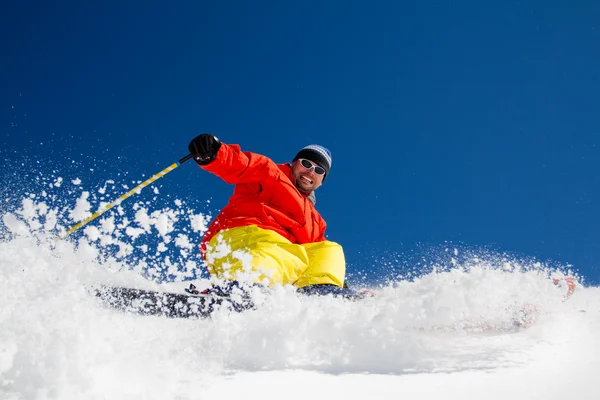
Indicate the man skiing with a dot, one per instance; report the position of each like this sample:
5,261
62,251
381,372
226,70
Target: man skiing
270,231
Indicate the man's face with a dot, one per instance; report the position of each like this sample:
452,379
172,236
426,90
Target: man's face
306,178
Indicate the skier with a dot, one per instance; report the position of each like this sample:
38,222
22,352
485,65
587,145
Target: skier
270,231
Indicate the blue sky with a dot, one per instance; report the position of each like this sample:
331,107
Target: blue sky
449,122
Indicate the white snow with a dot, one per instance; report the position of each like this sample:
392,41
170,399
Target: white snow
82,208
446,335
183,242
199,222
15,225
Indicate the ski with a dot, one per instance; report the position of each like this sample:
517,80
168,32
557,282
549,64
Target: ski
166,304
201,304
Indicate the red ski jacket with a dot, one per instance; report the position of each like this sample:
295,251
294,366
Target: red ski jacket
265,195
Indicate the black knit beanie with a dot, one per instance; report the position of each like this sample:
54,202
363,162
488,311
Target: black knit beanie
317,154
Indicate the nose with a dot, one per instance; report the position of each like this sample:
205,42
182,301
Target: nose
310,172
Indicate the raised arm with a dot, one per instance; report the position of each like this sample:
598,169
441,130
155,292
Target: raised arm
229,163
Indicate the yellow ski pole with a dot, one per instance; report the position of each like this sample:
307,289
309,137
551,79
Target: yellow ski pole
118,201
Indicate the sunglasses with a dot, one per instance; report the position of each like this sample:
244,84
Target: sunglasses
309,165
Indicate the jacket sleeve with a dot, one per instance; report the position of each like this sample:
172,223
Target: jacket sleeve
234,166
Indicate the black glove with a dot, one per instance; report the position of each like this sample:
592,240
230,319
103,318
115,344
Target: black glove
204,148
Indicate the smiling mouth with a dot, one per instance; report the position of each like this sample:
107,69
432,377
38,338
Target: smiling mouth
306,179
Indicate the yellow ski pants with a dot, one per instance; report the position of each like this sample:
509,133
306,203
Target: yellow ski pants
263,256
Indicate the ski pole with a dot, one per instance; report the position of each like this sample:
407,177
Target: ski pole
118,201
